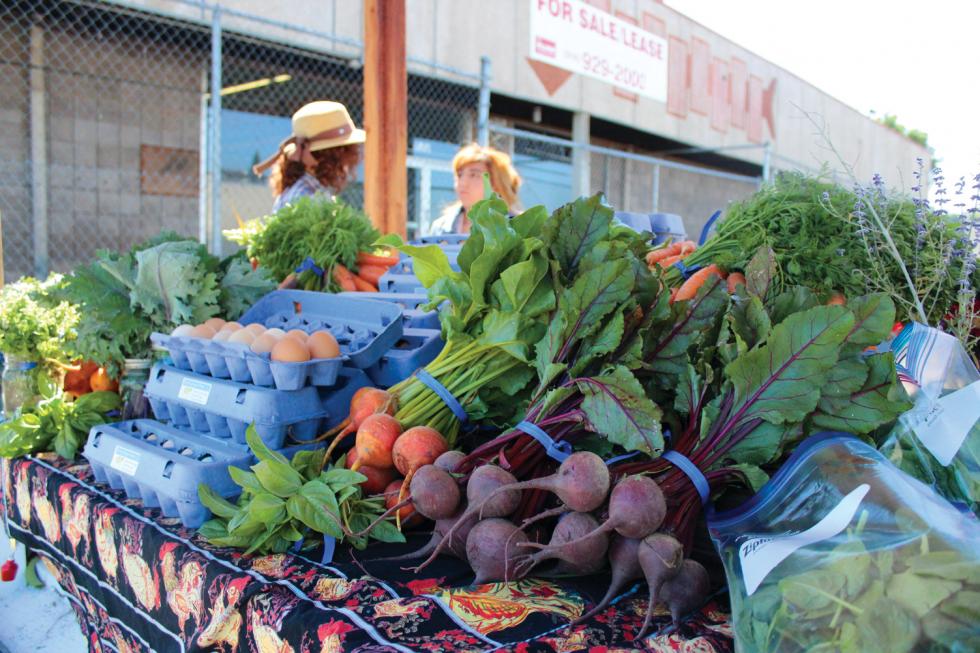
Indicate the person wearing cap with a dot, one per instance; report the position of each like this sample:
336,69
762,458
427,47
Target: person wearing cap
320,156
469,165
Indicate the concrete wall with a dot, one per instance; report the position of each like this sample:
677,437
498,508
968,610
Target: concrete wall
458,32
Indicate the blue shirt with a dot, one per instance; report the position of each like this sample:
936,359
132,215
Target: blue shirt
305,186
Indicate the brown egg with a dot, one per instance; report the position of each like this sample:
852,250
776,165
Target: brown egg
276,333
264,343
256,328
299,334
231,326
290,350
222,336
183,330
322,344
243,336
202,331
215,323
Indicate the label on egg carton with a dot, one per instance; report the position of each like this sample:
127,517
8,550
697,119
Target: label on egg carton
195,391
125,460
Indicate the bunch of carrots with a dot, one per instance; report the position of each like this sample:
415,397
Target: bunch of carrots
371,266
676,252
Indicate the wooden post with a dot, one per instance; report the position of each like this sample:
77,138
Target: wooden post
385,115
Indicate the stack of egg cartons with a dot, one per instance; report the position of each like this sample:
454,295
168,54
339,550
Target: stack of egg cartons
208,393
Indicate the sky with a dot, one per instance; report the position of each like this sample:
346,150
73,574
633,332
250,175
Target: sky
919,61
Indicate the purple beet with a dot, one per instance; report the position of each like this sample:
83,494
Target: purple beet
624,565
492,548
661,557
577,555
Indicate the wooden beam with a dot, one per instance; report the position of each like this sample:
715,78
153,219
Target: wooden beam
385,115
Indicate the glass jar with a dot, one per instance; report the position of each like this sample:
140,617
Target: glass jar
19,383
136,372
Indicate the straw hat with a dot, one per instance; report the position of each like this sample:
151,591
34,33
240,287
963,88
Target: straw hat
317,126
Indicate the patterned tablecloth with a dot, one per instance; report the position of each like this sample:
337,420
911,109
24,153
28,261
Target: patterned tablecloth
139,582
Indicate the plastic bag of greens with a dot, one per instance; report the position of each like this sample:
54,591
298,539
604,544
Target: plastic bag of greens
842,551
938,440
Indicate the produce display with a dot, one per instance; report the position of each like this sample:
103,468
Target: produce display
594,398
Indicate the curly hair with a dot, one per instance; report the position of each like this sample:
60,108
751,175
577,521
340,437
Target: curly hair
335,167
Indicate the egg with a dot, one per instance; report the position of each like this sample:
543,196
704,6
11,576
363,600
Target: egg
264,344
231,326
299,334
215,323
256,328
243,336
182,331
290,350
322,344
202,331
278,334
222,336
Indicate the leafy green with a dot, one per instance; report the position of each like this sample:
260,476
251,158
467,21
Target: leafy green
55,422
282,499
34,324
241,286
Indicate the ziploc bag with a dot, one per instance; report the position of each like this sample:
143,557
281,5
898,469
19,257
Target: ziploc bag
842,551
938,440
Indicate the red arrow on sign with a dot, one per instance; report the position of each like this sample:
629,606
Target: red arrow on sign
551,77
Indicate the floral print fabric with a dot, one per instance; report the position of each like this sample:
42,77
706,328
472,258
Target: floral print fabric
140,582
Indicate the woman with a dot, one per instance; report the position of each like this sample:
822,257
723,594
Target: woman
321,156
469,166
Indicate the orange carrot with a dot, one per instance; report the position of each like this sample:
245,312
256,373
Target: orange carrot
364,285
837,299
690,287
344,278
289,282
734,279
687,247
670,260
371,273
385,260
657,255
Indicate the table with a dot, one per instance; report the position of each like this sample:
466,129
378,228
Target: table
139,582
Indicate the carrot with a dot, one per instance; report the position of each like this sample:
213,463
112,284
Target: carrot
690,287
670,260
657,255
688,247
385,260
255,263
289,282
363,285
344,278
837,299
371,273
734,279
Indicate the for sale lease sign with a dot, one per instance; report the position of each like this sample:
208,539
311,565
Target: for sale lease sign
573,35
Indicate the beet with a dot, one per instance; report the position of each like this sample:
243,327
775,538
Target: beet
449,460
687,591
481,492
577,554
624,564
581,482
456,546
492,548
661,557
434,492
636,508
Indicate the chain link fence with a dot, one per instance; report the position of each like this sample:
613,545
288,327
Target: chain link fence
109,133
631,181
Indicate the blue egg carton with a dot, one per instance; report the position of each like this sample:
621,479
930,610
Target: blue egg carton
163,466
365,329
402,283
226,408
417,348
415,317
444,239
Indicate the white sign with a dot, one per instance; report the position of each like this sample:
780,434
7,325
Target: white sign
125,460
760,555
194,391
575,36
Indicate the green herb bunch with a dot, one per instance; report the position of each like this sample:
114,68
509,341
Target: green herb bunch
34,324
284,501
55,421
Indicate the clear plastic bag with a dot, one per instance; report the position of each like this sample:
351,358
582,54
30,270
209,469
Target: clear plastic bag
938,440
842,551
